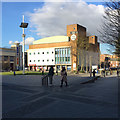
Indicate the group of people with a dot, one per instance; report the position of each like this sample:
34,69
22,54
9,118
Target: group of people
63,74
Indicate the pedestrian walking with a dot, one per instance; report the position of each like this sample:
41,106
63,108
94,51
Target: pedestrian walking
50,75
104,73
56,72
64,77
110,72
94,73
118,73
90,72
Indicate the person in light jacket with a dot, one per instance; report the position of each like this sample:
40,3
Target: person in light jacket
50,75
64,76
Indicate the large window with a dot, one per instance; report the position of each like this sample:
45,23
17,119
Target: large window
62,55
11,58
5,58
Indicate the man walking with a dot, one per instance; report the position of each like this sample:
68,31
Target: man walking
50,75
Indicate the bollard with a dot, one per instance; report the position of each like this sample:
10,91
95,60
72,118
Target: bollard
14,73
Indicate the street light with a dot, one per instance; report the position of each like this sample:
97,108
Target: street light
23,25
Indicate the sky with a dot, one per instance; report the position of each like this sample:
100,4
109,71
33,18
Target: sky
48,19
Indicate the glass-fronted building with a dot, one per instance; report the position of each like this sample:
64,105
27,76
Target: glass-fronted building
59,51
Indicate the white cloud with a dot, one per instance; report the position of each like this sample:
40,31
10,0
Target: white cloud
53,17
10,42
28,41
17,42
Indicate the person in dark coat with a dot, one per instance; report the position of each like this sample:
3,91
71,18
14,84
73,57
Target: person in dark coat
94,73
64,76
118,73
50,75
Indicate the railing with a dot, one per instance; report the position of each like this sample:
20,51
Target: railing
45,80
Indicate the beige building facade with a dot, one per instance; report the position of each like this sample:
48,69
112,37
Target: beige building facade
65,51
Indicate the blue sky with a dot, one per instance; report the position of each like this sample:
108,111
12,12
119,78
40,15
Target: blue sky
12,17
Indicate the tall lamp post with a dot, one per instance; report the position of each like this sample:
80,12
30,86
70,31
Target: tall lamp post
23,25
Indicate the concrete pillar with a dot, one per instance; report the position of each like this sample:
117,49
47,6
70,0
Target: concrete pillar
60,67
33,68
29,68
66,67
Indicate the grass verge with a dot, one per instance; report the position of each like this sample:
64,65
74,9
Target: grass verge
21,73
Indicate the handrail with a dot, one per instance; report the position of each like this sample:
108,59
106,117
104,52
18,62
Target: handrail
45,80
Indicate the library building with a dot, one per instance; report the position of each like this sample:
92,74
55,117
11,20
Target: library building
71,51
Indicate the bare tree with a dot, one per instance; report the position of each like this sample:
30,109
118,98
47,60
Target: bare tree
82,48
110,30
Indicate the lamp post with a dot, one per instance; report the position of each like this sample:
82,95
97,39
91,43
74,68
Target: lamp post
23,25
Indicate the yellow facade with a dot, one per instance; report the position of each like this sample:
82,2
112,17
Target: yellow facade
53,39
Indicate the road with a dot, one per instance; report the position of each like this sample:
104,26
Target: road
24,97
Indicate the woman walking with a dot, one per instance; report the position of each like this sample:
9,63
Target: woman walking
64,76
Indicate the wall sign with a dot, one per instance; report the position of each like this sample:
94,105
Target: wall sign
73,37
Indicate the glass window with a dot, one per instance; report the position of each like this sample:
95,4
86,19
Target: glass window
38,60
43,60
34,53
66,59
29,53
38,52
11,58
47,52
52,60
58,60
63,51
56,52
47,60
42,52
30,60
34,60
52,52
63,59
5,58
0,58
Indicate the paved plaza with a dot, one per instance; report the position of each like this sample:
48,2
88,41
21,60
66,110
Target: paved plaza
25,97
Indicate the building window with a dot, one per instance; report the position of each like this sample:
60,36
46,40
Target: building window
34,53
43,60
74,28
71,33
34,60
52,52
5,58
0,58
38,52
11,58
47,60
56,52
47,52
38,60
64,56
42,52
30,60
52,60
29,53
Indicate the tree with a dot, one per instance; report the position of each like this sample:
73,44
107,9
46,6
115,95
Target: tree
82,48
110,30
